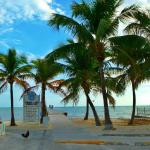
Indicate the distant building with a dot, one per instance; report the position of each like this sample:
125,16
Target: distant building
31,107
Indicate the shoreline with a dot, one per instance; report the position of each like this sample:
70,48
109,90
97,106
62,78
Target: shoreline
74,112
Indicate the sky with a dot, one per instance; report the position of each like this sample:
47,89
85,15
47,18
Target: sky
24,26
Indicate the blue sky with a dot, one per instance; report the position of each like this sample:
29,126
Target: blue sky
23,26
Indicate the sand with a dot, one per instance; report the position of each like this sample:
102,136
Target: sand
117,122
28,125
140,126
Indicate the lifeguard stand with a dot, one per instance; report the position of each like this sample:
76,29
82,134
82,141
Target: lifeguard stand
31,107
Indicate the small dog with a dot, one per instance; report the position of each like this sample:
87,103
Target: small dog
25,135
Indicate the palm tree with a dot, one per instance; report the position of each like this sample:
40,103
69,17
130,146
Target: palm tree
14,68
93,23
44,71
132,53
79,67
113,84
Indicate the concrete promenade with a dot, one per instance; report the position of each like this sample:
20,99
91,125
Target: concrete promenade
63,130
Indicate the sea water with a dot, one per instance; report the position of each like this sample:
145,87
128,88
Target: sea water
76,111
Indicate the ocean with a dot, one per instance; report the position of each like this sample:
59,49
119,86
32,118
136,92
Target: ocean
118,112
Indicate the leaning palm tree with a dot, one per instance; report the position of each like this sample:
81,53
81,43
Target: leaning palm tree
13,69
93,23
80,68
132,53
44,71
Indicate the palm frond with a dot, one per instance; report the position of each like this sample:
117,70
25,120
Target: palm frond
70,24
56,83
81,10
56,88
141,24
64,50
107,28
72,97
3,87
29,89
21,83
111,99
128,13
23,69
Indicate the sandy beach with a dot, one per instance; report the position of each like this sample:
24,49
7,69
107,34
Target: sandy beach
140,126
116,122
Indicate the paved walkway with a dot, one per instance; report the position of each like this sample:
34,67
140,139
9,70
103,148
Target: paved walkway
64,130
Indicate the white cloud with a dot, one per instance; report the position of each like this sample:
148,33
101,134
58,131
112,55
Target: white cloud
59,10
3,31
12,10
29,55
4,43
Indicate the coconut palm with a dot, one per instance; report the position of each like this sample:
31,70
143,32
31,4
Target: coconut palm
13,69
113,84
79,67
132,53
93,23
44,71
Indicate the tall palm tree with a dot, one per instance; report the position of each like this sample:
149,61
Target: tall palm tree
44,71
93,23
13,69
88,62
79,67
132,53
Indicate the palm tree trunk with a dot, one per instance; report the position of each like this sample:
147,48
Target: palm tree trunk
87,111
97,121
12,123
44,109
134,103
108,123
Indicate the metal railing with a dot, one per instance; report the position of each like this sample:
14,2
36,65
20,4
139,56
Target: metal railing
143,111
